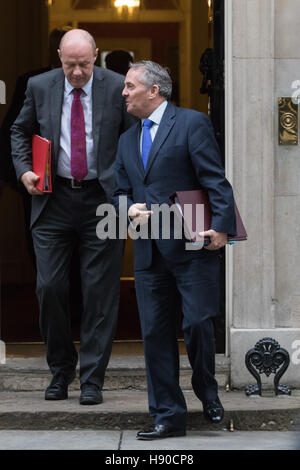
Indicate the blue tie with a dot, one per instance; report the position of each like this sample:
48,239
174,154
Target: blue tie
146,141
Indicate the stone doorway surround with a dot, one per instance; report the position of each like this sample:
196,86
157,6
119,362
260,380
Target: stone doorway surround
262,275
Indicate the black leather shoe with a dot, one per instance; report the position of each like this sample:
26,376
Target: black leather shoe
90,394
213,411
159,431
58,388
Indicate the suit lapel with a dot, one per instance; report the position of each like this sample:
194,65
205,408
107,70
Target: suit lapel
56,109
166,124
98,99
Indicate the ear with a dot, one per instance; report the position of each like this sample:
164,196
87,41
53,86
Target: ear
154,91
59,53
96,54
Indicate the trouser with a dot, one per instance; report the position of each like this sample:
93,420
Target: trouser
69,219
197,283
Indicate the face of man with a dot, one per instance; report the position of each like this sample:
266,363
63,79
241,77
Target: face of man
138,98
78,58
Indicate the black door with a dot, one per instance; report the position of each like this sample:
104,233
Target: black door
212,68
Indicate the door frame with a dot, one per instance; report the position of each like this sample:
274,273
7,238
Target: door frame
228,162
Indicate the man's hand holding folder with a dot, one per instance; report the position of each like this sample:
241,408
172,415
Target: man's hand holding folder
38,181
212,239
217,239
30,181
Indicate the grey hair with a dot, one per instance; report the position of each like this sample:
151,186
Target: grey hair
155,74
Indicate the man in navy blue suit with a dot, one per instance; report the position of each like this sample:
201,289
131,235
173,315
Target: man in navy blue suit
168,150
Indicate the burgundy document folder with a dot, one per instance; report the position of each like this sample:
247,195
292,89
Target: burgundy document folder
41,162
200,196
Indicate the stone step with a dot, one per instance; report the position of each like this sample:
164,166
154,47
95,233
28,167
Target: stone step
123,372
128,409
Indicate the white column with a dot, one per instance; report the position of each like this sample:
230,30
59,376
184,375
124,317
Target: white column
253,162
262,296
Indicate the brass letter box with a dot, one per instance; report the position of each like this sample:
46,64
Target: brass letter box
287,121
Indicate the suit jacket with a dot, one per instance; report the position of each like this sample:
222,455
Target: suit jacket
7,170
41,114
184,156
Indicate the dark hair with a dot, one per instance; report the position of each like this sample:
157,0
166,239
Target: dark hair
119,61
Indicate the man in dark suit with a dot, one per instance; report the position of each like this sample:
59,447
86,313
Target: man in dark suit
183,156
81,110
7,171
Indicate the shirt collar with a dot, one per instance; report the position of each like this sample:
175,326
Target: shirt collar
157,114
86,88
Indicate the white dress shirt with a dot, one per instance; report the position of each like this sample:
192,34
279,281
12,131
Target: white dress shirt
156,117
64,156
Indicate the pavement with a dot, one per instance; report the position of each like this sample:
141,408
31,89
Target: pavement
28,422
128,409
125,440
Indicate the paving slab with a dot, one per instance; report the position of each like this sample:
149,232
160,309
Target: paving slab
217,440
126,441
59,440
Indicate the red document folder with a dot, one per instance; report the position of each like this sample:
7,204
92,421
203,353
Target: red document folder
41,162
200,196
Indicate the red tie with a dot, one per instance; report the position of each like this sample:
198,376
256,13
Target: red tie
78,143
